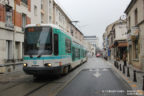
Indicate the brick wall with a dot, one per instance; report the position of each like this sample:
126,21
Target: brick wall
18,2
2,13
18,20
29,5
28,20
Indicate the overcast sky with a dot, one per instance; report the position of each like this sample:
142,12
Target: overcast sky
94,15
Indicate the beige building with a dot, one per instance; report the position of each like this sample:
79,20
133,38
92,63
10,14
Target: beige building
135,23
64,22
115,39
47,11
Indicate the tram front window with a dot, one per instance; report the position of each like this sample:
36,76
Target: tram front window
38,41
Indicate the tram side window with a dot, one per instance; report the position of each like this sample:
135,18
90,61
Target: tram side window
56,44
73,53
77,53
68,45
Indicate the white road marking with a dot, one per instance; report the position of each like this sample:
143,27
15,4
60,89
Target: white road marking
97,74
105,69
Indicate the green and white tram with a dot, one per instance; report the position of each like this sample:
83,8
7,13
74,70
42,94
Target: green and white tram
48,50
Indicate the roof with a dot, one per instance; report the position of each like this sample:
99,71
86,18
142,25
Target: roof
132,3
51,25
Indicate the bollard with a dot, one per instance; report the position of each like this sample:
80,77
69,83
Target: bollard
128,73
120,68
134,79
123,69
143,84
115,63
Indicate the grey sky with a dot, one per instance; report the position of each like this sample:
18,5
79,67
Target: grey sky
94,15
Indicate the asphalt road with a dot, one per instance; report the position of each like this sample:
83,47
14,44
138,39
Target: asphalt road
97,79
94,78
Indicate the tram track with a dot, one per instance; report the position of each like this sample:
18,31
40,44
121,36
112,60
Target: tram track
36,89
47,86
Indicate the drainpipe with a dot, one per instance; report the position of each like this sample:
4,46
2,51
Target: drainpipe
14,31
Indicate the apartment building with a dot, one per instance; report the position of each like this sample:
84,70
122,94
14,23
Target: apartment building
64,22
135,23
109,41
115,39
36,11
119,39
14,15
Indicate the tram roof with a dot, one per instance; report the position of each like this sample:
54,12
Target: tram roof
51,25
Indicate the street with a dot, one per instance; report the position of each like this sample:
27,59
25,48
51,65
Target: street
94,78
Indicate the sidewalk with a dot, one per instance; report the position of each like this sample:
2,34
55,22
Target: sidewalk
136,83
12,79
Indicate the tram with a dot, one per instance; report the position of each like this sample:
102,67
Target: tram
50,51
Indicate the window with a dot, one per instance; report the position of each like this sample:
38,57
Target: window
77,53
23,21
68,45
17,50
42,4
56,47
9,17
136,17
8,49
136,49
73,53
50,19
42,18
129,20
35,10
25,1
71,32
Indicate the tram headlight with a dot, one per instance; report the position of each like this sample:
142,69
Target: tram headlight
48,64
25,65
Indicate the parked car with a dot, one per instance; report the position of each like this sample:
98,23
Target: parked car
98,55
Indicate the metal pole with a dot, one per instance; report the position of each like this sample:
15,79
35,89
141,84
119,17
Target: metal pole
128,73
123,69
134,79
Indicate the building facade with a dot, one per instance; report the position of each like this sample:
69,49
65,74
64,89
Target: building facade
115,40
93,40
64,22
135,24
14,15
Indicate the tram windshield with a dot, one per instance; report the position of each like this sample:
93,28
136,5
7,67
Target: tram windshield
38,41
